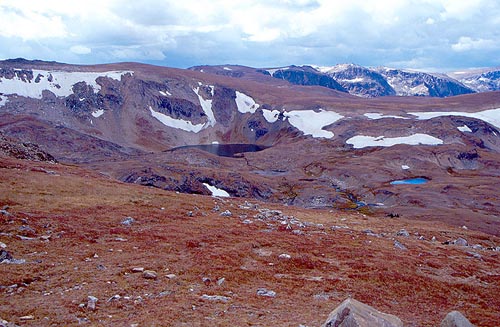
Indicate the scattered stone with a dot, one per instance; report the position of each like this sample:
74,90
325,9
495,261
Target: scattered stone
5,323
4,255
474,254
369,232
120,239
403,232
91,303
128,221
433,239
206,280
265,292
3,245
399,246
219,298
25,230
190,214
226,213
137,269
24,318
149,274
455,319
101,267
171,276
352,313
285,256
4,212
461,242
221,281
114,297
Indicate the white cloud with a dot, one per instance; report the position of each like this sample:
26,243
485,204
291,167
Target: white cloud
254,32
80,49
466,43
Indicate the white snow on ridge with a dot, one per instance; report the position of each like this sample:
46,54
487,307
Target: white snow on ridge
361,141
464,128
206,105
373,115
58,82
227,68
274,70
176,123
245,103
270,115
98,113
354,80
491,116
311,122
3,100
216,191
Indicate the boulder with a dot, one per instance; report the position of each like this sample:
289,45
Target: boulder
455,319
352,313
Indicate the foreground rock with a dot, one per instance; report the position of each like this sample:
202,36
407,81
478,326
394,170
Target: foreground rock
455,319
352,313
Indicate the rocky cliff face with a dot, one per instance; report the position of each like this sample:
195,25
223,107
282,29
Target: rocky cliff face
413,83
480,81
305,75
360,81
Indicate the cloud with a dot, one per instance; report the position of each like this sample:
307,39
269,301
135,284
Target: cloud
466,43
80,49
434,33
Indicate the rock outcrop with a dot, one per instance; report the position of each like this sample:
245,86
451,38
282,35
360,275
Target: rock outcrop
455,319
352,313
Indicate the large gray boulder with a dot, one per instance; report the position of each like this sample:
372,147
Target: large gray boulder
455,319
352,313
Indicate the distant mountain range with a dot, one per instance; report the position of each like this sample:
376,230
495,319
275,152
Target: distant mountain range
382,81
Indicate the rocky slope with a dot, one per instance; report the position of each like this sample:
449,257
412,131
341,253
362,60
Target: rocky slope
482,80
78,248
323,148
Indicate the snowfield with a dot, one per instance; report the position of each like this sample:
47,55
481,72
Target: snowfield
374,115
206,105
176,123
311,122
245,103
98,113
271,115
3,100
361,141
57,82
491,116
216,191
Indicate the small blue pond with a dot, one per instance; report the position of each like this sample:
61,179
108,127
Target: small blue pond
411,181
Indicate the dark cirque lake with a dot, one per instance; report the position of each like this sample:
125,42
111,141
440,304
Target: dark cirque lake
225,150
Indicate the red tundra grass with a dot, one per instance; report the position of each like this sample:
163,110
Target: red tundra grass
66,223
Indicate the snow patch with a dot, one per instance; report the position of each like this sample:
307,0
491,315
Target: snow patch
3,100
274,70
464,128
227,68
373,115
311,122
405,167
216,191
176,123
206,105
491,116
270,115
165,93
58,82
98,113
245,103
354,80
361,141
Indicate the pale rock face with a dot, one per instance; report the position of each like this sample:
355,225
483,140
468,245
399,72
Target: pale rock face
455,319
352,313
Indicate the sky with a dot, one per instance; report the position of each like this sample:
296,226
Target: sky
432,35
